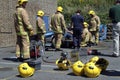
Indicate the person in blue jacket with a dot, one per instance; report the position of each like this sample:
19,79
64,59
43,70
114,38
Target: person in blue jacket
77,21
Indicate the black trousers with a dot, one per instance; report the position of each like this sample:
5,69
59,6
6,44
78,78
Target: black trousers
77,36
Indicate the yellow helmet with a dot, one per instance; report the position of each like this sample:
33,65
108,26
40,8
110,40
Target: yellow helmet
25,70
102,63
59,8
86,24
94,59
77,68
63,65
22,1
91,70
91,12
40,13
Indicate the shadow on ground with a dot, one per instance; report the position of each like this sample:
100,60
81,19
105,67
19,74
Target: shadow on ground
11,59
111,73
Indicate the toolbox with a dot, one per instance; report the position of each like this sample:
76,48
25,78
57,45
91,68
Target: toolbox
35,63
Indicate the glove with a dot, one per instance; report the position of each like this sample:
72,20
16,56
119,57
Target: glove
97,29
31,33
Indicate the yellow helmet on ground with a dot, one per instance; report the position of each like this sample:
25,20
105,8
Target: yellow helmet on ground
91,70
59,8
102,63
63,65
94,59
91,12
22,1
86,24
77,68
25,70
40,13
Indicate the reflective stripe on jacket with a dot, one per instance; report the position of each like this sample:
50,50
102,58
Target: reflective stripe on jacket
94,23
21,20
40,25
58,23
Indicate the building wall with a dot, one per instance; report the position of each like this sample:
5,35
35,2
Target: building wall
7,8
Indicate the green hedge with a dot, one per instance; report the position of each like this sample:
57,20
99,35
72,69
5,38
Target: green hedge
101,7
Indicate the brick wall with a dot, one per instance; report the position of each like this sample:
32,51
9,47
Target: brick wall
7,8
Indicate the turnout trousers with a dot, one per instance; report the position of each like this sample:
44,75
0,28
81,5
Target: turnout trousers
23,46
95,36
41,37
58,40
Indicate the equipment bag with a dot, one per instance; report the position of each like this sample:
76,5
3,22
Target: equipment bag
36,51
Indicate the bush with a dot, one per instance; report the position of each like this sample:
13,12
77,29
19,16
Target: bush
101,7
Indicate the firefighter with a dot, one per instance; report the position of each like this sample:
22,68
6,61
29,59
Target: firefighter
58,26
86,35
23,30
41,30
94,26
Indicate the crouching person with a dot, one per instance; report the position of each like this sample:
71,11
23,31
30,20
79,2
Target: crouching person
86,36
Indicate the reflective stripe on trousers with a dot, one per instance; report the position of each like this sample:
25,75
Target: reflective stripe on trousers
58,40
95,36
22,46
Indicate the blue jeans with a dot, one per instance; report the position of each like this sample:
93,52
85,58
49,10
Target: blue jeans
116,38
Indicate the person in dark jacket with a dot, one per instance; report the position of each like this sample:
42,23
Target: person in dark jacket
77,24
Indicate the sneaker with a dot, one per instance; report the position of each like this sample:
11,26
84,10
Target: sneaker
114,55
57,49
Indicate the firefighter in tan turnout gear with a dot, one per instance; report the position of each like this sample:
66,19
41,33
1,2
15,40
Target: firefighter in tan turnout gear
86,35
94,26
41,30
58,26
23,30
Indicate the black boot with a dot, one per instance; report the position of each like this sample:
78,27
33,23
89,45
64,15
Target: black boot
58,49
26,59
19,59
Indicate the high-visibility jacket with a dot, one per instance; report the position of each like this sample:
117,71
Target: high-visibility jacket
86,35
94,23
22,23
40,25
58,23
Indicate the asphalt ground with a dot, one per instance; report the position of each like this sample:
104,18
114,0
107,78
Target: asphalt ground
49,70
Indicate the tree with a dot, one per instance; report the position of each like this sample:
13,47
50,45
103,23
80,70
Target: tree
101,7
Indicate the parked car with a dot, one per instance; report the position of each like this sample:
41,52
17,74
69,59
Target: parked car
48,39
